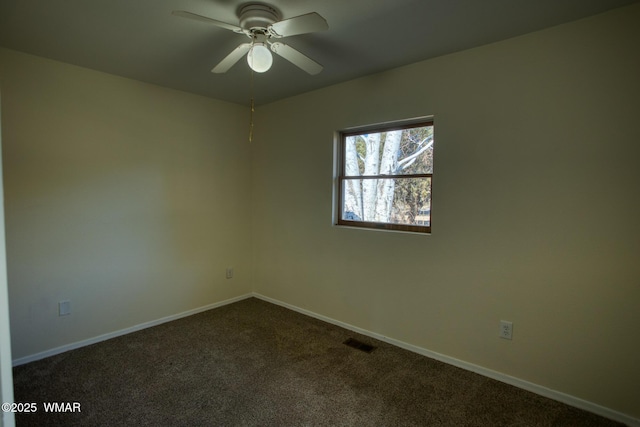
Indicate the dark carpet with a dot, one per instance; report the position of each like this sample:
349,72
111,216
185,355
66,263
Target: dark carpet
253,363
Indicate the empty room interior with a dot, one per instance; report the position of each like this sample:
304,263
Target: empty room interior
134,198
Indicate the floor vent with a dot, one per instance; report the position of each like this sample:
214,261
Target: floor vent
359,345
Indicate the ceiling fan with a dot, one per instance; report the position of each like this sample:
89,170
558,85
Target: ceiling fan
262,23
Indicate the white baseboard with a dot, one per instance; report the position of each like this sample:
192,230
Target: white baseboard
83,343
526,385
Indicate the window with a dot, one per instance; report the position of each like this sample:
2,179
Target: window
384,177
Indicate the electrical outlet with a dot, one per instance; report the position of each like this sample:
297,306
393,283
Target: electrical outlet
229,272
506,329
64,308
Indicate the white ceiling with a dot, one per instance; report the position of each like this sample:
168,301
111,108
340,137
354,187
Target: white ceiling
140,39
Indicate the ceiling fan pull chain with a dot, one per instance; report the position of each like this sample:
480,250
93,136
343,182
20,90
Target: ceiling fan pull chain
252,109
251,123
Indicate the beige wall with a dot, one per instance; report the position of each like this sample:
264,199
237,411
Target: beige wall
128,199
536,215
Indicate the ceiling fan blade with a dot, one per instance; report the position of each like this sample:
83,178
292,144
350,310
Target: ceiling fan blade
189,15
232,58
309,23
296,58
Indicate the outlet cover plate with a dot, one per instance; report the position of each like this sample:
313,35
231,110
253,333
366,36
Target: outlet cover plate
506,329
64,308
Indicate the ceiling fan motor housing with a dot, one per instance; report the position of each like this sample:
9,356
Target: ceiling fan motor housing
257,16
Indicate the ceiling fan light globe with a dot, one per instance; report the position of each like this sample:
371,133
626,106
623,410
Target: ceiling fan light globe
259,58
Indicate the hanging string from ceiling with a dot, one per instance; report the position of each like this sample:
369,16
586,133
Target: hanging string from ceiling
251,110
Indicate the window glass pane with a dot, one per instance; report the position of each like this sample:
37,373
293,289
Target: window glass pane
392,201
397,152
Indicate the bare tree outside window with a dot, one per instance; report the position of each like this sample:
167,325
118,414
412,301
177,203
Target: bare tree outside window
385,177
